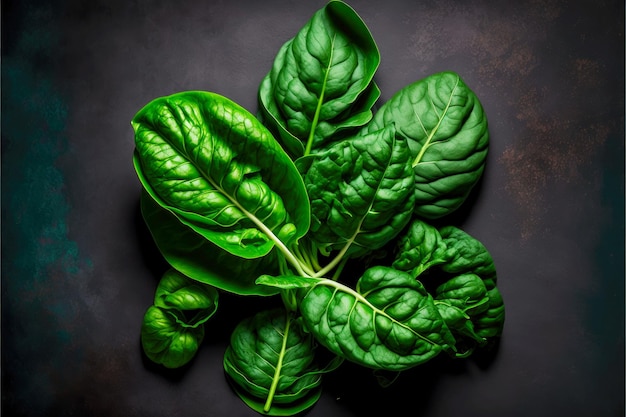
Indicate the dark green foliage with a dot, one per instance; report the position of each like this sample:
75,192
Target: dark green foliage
281,205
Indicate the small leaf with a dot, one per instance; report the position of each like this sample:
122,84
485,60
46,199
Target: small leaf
191,302
165,341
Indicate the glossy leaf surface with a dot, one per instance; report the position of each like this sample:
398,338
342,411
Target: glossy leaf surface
419,248
165,341
390,322
196,257
361,192
466,254
459,301
271,363
191,302
321,80
172,328
219,171
490,323
446,128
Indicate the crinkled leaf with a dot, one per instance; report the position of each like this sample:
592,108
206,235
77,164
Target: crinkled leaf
219,171
462,327
321,80
490,323
361,192
165,341
390,322
460,300
271,361
191,302
198,258
419,248
447,132
466,254
466,292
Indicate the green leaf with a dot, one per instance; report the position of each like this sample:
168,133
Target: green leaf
286,282
271,362
165,341
321,82
490,323
447,132
219,171
419,248
466,292
466,254
390,322
459,301
194,256
192,302
173,327
361,192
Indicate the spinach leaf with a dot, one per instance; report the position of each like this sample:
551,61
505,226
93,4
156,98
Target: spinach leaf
390,322
198,258
220,172
466,292
165,341
447,132
321,82
490,323
361,192
419,248
459,300
465,277
467,254
271,364
173,327
192,302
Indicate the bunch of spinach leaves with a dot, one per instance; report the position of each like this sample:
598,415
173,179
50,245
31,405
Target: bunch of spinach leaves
285,202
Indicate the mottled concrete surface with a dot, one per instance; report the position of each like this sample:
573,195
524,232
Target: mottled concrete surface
79,269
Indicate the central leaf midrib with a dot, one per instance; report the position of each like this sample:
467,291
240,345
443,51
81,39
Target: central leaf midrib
420,155
360,298
320,100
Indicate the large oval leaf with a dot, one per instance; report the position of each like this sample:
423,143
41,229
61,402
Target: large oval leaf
321,80
219,170
361,192
448,136
390,322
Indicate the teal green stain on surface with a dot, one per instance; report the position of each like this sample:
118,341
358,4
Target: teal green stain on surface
35,206
41,265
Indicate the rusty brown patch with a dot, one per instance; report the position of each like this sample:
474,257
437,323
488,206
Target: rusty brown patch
552,149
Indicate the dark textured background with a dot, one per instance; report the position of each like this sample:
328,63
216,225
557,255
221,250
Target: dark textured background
78,270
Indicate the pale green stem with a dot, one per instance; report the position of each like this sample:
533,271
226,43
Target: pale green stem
419,156
320,101
300,268
279,365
